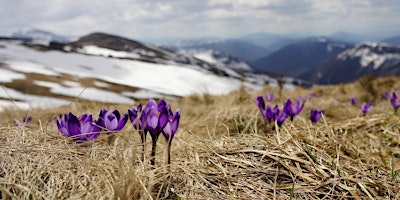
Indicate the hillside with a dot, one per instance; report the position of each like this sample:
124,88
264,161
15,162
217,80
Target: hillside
222,150
112,69
374,59
301,57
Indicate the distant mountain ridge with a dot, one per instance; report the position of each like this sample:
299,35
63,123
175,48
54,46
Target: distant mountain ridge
243,50
39,36
299,58
392,40
365,58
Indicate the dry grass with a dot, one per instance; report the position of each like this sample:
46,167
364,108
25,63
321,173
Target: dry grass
223,150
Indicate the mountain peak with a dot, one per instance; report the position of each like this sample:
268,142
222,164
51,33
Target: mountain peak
39,36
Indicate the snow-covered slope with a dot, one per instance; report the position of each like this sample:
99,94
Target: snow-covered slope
164,78
218,59
111,69
365,58
145,79
373,55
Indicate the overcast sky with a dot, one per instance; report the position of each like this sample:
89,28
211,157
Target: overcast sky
143,20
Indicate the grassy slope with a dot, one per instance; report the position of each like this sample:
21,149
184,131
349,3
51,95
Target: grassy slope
223,150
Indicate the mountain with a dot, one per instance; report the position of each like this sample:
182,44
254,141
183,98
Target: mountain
236,48
300,58
111,69
272,42
219,59
347,37
392,40
365,58
39,36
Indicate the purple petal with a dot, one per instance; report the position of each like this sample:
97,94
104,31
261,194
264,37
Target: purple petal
86,125
175,121
259,101
116,114
73,125
111,122
167,131
122,122
133,114
163,118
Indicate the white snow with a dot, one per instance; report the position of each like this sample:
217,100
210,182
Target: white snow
85,93
95,50
164,78
206,56
29,67
71,83
25,101
143,94
367,57
9,76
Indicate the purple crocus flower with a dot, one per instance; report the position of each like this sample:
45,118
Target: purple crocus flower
385,95
353,101
394,100
24,122
155,118
280,117
269,113
293,109
172,126
138,124
270,96
112,122
170,129
133,114
80,129
259,101
315,115
365,107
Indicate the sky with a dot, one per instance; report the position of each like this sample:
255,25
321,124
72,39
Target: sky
189,19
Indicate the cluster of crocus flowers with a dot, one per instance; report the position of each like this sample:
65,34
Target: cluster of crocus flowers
275,113
153,118
80,129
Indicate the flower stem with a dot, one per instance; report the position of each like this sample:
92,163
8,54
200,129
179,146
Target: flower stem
111,137
169,154
153,150
143,137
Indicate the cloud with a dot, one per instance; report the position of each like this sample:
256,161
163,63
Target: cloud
192,18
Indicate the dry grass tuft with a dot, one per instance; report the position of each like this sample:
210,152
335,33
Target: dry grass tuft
223,150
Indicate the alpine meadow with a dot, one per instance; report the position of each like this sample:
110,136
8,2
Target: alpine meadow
223,147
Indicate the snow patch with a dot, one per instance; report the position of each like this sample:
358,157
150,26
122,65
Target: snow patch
143,94
92,94
98,51
163,78
29,67
101,84
8,76
25,101
71,83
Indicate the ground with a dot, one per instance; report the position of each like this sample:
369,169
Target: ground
224,149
